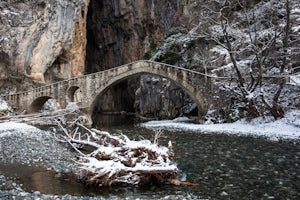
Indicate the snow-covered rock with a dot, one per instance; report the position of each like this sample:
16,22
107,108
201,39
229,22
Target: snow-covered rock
295,79
4,106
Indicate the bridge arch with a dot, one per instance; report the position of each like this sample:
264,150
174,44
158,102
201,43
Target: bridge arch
71,93
38,104
175,78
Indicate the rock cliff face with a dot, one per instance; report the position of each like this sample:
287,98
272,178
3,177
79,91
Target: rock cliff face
44,40
158,97
122,31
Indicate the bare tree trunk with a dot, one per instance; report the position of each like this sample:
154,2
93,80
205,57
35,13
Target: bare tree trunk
232,57
250,103
276,110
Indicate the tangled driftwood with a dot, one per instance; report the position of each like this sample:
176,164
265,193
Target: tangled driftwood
115,160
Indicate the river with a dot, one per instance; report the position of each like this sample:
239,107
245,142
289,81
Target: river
224,166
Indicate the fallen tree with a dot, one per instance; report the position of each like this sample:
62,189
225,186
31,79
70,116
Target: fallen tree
115,160
68,116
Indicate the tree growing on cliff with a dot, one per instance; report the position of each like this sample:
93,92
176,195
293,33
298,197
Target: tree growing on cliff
257,44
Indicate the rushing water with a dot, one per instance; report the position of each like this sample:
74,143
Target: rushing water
225,167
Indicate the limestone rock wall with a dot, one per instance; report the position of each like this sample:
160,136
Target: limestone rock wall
44,39
122,31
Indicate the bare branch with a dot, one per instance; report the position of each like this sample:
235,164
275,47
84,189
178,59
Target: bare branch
116,160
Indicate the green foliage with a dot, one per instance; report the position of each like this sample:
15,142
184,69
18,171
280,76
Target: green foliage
171,55
148,55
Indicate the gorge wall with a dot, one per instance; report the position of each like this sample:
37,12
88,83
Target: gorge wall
123,31
44,40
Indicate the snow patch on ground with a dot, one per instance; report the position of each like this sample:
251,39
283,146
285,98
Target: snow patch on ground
227,70
8,128
285,128
220,50
296,29
295,79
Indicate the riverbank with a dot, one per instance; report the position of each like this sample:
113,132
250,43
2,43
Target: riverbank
25,144
287,128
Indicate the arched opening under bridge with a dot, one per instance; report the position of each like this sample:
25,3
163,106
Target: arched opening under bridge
73,94
38,104
157,81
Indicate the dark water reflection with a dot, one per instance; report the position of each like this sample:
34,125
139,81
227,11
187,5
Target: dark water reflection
226,167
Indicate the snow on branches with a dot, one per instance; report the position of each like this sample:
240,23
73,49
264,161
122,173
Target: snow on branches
115,160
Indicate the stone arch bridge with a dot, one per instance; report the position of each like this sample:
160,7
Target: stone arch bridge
198,85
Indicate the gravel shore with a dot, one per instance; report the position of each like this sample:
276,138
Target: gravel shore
24,144
28,145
